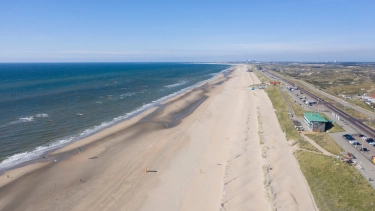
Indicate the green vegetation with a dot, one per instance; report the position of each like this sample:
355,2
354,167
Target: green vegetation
260,76
361,104
326,142
371,123
351,80
348,110
335,185
282,111
335,79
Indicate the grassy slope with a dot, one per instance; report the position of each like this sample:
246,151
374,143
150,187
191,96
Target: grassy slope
287,126
371,123
361,104
326,142
260,76
335,185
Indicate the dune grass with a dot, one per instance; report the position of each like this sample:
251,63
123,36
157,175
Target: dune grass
361,104
282,111
260,76
326,142
371,123
335,185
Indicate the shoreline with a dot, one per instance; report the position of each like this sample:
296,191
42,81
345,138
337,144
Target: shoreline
123,118
49,156
212,157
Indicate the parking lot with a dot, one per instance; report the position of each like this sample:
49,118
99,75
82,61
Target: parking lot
362,158
367,149
318,107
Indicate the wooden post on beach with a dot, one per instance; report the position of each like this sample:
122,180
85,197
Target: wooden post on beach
146,170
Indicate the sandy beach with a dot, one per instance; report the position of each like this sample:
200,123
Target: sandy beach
202,151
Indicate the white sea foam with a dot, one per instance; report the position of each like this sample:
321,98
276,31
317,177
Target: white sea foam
128,94
41,115
176,84
26,119
27,156
30,155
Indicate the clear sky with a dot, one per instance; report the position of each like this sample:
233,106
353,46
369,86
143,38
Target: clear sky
187,30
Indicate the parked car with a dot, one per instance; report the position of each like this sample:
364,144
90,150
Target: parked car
348,137
372,143
363,149
355,142
364,137
369,140
361,135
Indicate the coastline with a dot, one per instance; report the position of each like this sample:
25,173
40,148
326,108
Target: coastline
209,158
137,115
50,149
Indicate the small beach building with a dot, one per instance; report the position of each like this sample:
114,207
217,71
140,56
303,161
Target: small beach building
315,121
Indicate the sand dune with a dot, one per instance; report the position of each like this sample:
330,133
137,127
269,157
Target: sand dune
288,188
202,150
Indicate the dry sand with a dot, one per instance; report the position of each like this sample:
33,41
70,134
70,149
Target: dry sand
210,160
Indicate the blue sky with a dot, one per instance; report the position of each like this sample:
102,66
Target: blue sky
187,30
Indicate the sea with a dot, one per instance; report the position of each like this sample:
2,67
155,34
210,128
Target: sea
44,106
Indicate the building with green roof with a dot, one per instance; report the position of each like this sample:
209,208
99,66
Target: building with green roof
315,121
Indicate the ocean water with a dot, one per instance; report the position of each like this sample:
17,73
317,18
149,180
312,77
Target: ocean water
48,105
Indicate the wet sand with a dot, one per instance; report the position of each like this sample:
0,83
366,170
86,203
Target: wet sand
201,149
